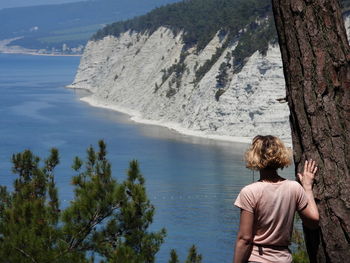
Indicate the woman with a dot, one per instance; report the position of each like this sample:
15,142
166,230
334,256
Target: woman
268,206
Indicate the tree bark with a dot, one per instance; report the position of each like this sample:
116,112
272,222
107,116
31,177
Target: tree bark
316,55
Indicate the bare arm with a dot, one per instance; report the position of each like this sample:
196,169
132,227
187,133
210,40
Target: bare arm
309,214
244,240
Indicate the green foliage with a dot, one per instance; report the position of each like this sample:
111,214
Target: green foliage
176,71
156,87
173,257
255,38
218,93
30,212
170,92
299,253
70,23
105,217
193,256
222,77
202,70
199,19
249,22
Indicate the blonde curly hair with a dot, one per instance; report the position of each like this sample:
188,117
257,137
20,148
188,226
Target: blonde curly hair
267,152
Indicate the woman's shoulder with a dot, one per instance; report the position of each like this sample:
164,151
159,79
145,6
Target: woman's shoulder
253,187
260,185
294,186
256,186
293,183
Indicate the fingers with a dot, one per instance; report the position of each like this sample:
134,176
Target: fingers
310,166
300,177
306,166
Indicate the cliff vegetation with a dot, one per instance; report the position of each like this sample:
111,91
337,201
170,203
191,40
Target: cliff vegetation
199,19
249,20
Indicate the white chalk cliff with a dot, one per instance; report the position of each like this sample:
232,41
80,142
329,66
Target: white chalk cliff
125,73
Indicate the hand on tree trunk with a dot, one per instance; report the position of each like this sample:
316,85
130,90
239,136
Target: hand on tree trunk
307,177
309,214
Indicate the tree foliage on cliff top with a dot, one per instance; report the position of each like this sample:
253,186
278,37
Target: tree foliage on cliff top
199,19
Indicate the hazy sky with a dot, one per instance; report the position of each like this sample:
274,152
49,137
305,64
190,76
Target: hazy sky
17,3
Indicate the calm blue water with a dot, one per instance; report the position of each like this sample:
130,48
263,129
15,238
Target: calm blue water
192,182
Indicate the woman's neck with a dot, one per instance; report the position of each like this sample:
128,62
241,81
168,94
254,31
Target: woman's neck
270,175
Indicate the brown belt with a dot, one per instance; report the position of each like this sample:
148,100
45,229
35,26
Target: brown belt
275,247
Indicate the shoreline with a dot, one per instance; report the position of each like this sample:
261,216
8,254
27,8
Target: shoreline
135,116
18,50
38,54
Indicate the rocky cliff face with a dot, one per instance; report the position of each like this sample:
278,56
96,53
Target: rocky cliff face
132,74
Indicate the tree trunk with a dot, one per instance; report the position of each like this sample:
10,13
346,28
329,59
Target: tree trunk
316,56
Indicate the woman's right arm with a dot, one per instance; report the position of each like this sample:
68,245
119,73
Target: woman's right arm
309,214
244,242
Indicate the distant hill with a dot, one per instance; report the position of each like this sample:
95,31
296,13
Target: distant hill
67,25
22,3
202,19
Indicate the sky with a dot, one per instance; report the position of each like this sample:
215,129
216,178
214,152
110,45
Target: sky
18,3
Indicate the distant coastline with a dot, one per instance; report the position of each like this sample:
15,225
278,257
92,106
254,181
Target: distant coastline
6,49
40,54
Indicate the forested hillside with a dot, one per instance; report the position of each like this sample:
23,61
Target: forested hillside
249,20
51,26
200,19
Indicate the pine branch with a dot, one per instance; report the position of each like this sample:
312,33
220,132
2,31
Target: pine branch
26,254
95,220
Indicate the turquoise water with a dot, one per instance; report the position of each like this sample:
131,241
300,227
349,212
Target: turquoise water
191,181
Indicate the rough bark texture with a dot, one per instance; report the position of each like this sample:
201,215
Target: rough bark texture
316,56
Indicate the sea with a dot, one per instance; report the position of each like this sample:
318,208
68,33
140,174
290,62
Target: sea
191,181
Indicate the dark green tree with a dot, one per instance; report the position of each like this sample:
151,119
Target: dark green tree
104,217
193,256
29,215
173,257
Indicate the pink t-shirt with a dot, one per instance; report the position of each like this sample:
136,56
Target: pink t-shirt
273,206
